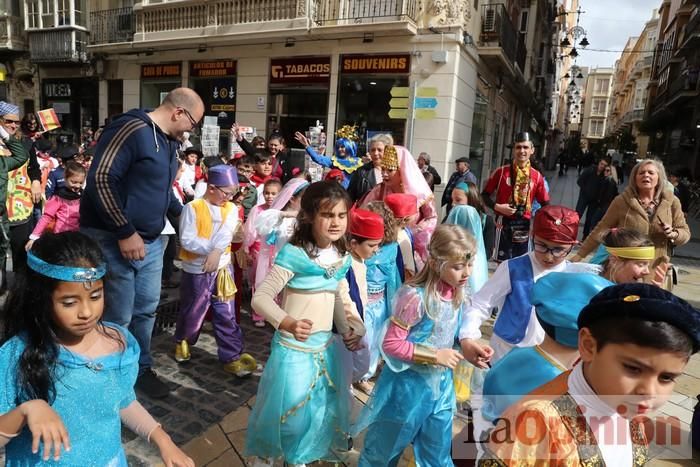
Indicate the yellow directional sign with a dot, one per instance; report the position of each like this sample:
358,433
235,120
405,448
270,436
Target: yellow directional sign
427,92
399,103
425,114
398,113
399,91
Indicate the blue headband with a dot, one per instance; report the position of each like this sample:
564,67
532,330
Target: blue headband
462,186
65,273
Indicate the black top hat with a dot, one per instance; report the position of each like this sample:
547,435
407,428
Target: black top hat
522,137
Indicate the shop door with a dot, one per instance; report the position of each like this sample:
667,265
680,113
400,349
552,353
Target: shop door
292,110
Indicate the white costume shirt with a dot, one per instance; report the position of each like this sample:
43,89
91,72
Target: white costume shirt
222,234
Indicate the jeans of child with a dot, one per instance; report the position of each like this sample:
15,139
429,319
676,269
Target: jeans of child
132,289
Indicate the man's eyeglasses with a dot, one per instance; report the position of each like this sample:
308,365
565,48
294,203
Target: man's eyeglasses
8,120
228,194
557,251
193,122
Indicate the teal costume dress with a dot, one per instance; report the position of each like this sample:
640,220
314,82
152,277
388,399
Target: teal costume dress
411,402
383,280
469,218
302,410
89,397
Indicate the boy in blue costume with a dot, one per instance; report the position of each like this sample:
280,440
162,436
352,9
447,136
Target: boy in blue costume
635,340
558,299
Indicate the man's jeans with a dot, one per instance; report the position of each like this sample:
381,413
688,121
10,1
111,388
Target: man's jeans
132,289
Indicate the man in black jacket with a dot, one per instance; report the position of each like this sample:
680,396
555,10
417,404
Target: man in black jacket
366,177
589,182
424,166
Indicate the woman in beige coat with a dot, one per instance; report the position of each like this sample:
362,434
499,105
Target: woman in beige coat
647,206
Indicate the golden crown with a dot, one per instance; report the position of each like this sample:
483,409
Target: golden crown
390,158
348,132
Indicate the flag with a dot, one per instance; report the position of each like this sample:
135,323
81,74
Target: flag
48,119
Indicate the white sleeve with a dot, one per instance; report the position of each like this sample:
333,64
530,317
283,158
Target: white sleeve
490,295
188,233
200,189
267,221
223,237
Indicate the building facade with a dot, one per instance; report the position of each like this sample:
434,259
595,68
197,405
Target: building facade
598,86
630,89
454,79
673,113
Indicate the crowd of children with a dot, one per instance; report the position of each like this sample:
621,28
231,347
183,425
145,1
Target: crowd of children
355,293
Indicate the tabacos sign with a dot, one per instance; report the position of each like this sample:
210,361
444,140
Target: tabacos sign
357,64
300,70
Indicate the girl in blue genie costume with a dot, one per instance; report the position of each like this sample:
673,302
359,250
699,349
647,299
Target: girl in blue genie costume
302,411
414,398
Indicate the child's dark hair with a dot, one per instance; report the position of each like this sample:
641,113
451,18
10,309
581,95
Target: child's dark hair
654,334
73,168
474,198
262,156
272,181
29,309
212,161
391,231
318,196
278,137
246,160
256,141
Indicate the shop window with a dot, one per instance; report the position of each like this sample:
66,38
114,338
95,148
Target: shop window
364,101
293,109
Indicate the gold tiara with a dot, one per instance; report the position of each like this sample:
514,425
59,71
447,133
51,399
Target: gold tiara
390,158
348,132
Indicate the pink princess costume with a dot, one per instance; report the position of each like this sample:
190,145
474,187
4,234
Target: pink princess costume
423,224
269,231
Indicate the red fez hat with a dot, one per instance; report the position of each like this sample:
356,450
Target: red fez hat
557,224
402,204
335,174
366,224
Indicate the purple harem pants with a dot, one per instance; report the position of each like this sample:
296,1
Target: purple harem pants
196,294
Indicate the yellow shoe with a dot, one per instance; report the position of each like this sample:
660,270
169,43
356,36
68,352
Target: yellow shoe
238,368
182,352
248,362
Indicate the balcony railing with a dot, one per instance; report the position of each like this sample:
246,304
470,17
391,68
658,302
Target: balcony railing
110,26
175,17
362,11
11,33
497,27
58,45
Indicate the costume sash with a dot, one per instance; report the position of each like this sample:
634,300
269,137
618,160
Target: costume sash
513,318
204,224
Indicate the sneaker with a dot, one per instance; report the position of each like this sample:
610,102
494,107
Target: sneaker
238,368
182,352
364,386
259,324
152,386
